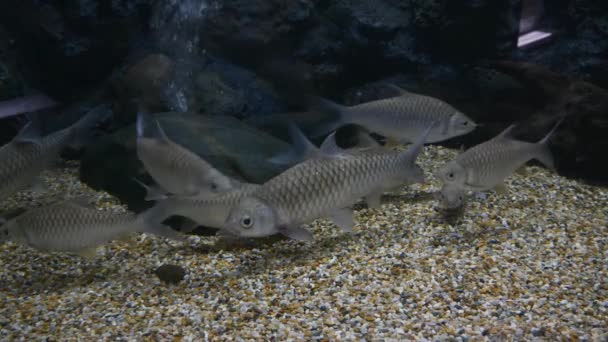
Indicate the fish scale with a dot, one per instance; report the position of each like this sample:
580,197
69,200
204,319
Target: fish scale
68,226
306,190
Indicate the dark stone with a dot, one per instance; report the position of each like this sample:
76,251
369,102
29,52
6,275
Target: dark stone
235,148
82,40
170,274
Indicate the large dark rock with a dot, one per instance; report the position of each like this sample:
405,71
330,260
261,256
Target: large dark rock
235,148
67,48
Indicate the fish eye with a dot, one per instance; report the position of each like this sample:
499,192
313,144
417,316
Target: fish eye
246,222
466,123
450,175
213,186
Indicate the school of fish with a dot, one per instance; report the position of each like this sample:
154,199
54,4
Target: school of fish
321,182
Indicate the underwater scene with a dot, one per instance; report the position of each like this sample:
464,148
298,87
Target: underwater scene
303,170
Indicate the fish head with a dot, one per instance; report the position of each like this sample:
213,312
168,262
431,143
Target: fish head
451,197
252,217
460,124
452,173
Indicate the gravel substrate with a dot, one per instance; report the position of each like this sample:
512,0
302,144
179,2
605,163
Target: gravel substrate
530,264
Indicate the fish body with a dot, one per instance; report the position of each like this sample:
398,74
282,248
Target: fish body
176,169
27,155
402,118
323,186
210,211
486,165
70,227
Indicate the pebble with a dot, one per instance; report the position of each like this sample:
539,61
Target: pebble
525,266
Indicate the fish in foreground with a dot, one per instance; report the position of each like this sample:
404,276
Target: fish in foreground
209,211
488,164
176,169
402,119
75,227
325,185
28,154
25,104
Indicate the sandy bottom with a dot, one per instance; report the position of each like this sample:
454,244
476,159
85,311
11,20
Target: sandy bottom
533,263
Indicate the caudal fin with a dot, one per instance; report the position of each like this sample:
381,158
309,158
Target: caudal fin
336,116
81,130
544,154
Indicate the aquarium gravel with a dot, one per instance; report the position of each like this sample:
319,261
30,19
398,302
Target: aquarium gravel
529,264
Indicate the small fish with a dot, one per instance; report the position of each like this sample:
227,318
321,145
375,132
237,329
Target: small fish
402,118
74,227
28,154
211,211
325,185
488,164
451,196
176,169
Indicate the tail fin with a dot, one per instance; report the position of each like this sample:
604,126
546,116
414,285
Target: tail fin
302,148
544,154
81,130
336,113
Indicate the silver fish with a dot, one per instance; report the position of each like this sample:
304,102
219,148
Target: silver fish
71,226
210,211
488,164
176,169
323,186
27,155
402,118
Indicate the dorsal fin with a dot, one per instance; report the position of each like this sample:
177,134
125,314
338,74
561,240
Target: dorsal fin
330,146
30,133
301,148
506,133
398,90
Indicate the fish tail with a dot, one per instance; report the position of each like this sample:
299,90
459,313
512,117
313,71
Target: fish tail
25,104
544,154
337,116
302,148
150,221
81,130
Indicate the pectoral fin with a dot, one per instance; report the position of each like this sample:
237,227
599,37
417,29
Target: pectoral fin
501,189
373,200
296,233
153,192
188,225
38,186
164,231
89,252
391,142
522,171
343,218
